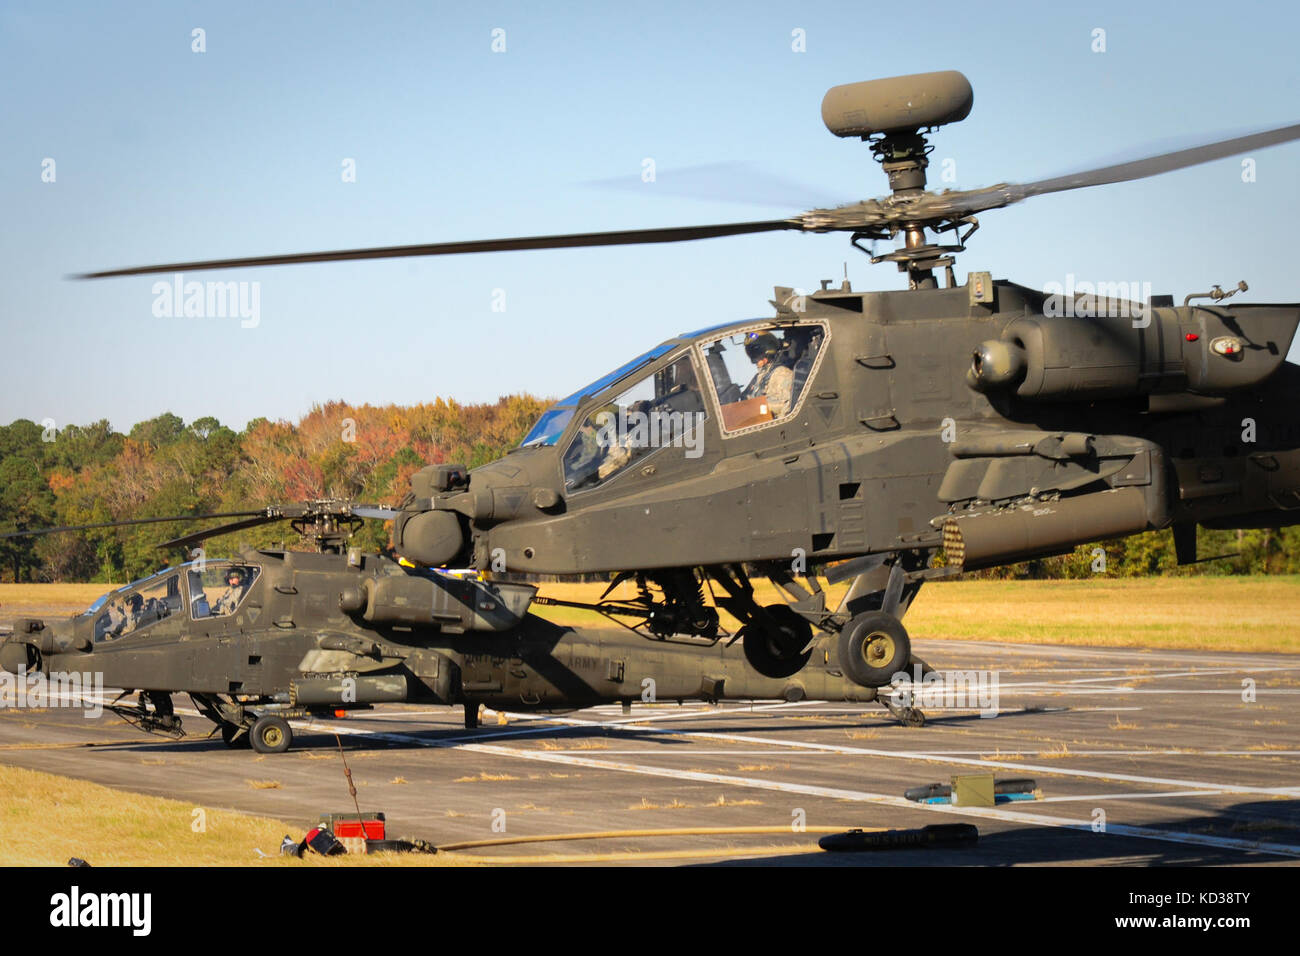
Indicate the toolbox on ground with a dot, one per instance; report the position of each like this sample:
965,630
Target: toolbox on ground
353,831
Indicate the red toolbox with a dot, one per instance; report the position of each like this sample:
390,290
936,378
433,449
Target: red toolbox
349,827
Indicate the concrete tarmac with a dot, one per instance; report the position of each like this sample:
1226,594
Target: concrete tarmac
1141,757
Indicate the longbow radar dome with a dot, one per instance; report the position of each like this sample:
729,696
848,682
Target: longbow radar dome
897,103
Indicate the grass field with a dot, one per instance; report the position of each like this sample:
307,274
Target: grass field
47,819
1255,613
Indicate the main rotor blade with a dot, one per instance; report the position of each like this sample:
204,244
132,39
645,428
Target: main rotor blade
337,509
951,205
184,541
572,240
122,524
375,512
1164,163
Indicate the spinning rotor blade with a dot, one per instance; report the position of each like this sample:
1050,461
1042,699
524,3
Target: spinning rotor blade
953,205
622,238
924,209
122,524
1164,163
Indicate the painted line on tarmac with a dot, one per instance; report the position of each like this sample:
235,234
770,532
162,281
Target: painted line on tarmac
967,761
1093,797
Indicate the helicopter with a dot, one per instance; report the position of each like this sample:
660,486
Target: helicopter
272,636
861,435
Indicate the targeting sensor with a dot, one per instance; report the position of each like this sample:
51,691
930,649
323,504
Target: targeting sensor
897,103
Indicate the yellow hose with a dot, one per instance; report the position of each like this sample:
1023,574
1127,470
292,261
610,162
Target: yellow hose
639,854
625,856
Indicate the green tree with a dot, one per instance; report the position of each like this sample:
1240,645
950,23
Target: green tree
26,503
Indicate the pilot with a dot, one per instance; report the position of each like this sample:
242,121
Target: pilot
623,442
583,456
131,614
772,380
118,618
236,584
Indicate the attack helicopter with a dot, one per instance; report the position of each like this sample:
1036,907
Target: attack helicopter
274,635
863,434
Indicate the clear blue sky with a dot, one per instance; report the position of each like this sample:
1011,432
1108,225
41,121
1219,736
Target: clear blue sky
164,154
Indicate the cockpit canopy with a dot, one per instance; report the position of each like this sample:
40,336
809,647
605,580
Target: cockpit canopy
208,588
754,374
555,419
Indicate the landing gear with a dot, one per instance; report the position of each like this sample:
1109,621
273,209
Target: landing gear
153,713
234,736
471,716
775,639
873,647
270,735
905,714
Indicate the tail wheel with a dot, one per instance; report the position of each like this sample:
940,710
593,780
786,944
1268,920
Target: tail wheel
873,647
777,651
271,735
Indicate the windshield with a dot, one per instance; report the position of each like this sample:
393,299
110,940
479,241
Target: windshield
551,425
103,598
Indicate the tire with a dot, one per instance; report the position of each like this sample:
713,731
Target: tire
779,654
270,735
873,647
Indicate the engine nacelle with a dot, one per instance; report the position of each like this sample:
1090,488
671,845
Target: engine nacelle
453,604
1158,351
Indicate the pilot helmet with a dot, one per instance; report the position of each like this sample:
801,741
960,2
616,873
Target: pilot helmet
235,577
759,344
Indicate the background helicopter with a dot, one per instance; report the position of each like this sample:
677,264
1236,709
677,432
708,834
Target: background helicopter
989,420
275,635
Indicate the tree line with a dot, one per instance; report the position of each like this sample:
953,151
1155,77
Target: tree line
92,474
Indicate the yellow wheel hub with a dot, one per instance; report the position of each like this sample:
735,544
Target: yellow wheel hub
878,649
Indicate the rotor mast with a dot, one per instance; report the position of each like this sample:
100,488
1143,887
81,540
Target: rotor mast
904,158
893,117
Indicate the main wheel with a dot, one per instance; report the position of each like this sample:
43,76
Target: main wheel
873,647
777,652
271,735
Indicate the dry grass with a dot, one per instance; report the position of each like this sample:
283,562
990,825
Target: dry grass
47,819
1118,724
1000,756
722,801
647,804
485,776
18,599
264,784
862,734
573,743
1060,752
1248,613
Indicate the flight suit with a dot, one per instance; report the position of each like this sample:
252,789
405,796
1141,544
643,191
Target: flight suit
776,383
